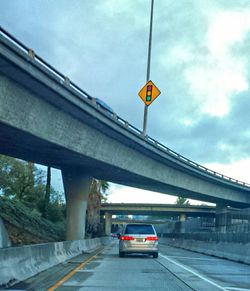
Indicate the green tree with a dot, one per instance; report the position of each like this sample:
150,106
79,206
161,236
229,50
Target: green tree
31,173
19,180
98,194
46,200
182,201
56,211
23,181
103,190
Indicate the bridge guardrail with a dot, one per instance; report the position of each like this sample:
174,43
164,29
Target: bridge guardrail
110,114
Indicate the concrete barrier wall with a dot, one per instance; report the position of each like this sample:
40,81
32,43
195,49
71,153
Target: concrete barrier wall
229,237
4,238
20,263
239,252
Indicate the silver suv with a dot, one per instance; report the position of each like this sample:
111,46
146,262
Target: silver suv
138,238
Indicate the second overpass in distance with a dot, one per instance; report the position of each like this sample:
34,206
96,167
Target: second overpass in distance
183,211
157,209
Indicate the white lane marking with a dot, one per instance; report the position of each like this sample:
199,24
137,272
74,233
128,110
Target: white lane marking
193,272
239,289
192,258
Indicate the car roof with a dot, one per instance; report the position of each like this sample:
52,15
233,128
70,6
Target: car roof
104,105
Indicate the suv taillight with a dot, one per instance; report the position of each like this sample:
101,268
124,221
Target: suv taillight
152,238
126,237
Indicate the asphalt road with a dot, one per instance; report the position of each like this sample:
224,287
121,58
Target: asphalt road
175,269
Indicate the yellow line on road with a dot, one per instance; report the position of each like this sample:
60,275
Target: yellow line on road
72,273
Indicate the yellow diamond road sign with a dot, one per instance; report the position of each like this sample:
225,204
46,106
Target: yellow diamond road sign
149,93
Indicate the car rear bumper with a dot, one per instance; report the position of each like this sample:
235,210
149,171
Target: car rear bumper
141,251
137,249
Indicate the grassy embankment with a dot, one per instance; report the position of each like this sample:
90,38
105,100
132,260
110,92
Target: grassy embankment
25,226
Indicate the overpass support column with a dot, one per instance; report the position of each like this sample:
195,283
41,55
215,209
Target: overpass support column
183,218
76,188
108,223
221,220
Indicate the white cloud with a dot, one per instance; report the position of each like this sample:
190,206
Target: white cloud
213,83
121,194
213,71
187,122
123,9
226,29
237,170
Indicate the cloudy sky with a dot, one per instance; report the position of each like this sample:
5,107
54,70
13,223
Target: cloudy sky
200,62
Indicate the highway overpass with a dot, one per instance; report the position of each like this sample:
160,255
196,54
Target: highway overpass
157,209
47,119
164,210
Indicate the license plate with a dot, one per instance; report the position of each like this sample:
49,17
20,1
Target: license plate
140,239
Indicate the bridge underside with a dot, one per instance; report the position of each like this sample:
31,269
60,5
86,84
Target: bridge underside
23,145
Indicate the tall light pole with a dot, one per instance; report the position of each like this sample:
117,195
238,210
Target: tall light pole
148,66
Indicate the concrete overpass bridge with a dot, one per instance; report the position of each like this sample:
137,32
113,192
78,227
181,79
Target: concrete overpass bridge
157,209
47,119
164,210
126,221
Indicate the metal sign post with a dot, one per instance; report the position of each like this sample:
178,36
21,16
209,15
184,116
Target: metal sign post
148,67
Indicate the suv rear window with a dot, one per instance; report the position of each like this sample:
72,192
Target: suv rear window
139,229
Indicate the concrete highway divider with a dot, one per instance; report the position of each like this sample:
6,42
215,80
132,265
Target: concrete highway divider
239,252
20,263
4,239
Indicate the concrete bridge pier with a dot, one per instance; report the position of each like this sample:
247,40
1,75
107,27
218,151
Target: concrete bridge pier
76,187
222,218
183,218
108,223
